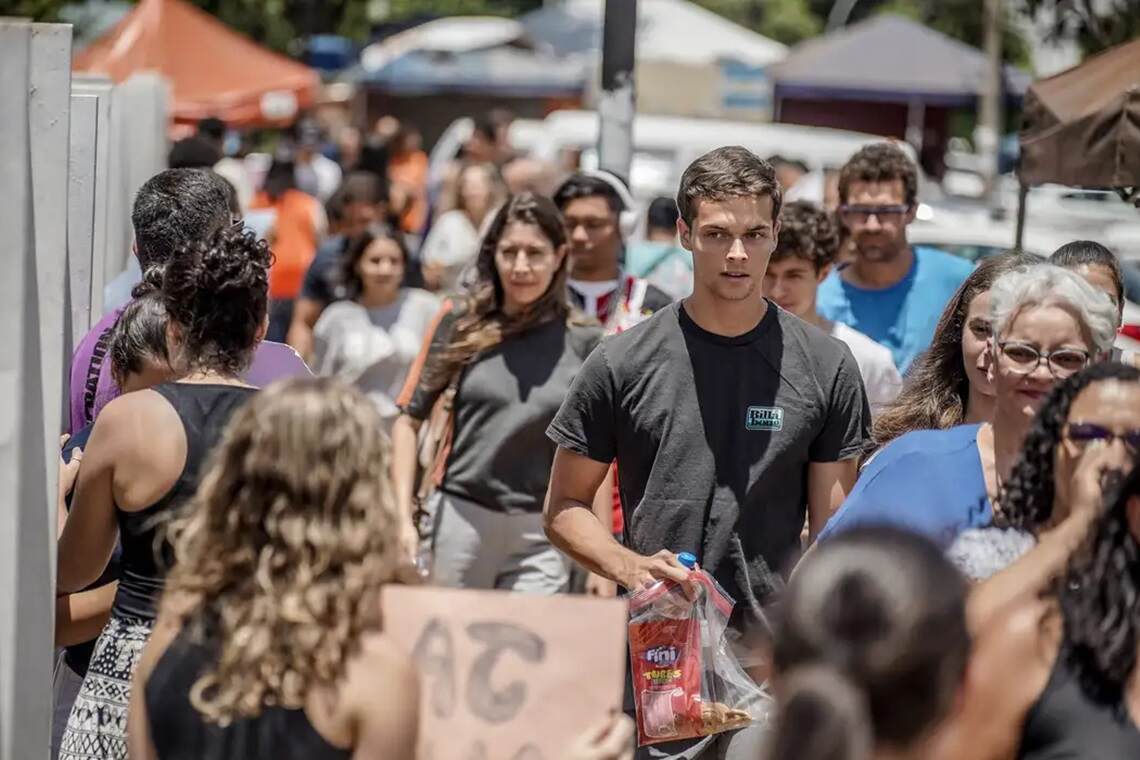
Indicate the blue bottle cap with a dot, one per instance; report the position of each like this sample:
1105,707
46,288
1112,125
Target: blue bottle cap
688,559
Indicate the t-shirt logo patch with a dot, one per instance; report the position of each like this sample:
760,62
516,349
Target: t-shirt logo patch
764,418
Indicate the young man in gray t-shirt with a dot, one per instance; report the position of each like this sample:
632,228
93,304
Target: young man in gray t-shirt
728,418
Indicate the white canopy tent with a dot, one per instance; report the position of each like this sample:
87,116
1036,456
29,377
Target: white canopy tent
690,61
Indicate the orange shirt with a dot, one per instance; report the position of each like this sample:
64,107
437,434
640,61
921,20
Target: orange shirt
293,240
410,170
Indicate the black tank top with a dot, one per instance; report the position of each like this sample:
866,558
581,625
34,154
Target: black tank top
179,731
204,411
1066,724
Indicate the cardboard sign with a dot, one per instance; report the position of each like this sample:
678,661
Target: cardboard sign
508,676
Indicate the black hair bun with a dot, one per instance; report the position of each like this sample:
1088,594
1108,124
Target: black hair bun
151,281
218,293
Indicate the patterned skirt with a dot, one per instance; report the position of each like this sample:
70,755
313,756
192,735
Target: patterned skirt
97,726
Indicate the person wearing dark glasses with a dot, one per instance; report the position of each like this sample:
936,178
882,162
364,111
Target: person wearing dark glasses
1055,673
1048,324
891,292
1082,441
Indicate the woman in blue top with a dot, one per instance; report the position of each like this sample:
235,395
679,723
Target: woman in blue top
947,385
1048,324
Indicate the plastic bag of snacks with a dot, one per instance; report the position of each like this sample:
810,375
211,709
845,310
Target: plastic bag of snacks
686,682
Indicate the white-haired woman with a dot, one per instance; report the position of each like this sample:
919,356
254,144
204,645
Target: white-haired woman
1048,324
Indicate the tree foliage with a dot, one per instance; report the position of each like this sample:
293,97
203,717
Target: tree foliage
398,9
1099,24
277,23
963,20
37,10
787,21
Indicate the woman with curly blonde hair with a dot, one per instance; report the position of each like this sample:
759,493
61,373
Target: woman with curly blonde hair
268,644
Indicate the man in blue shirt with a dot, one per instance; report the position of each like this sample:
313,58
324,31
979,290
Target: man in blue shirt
891,292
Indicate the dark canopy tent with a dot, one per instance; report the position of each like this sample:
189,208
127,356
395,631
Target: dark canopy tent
887,75
1082,126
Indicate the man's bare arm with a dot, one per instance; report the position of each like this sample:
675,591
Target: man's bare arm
596,585
573,527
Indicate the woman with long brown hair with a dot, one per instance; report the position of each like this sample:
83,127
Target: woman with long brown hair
947,385
268,644
510,352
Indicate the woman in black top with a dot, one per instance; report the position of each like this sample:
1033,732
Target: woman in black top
143,463
137,351
513,348
1055,678
268,646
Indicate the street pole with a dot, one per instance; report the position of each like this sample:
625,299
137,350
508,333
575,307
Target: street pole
988,134
616,103
840,12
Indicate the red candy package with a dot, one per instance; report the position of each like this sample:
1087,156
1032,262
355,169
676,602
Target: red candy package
686,682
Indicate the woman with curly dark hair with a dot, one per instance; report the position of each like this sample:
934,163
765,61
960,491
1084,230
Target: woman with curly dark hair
1057,673
509,353
947,385
145,453
1047,325
1085,435
269,643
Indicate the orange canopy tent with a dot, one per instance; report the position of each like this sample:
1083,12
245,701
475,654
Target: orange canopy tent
213,70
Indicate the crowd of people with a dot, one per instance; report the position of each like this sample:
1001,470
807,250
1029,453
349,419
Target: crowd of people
915,476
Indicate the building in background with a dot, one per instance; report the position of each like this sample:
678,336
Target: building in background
453,67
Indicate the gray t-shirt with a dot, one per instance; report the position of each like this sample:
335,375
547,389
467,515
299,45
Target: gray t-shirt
500,456
373,348
713,436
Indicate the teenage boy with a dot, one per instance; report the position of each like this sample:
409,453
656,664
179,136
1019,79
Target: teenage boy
728,419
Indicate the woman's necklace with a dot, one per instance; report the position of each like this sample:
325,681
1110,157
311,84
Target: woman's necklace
987,453
209,377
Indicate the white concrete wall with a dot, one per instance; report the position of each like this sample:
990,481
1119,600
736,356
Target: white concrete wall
34,89
139,114
89,186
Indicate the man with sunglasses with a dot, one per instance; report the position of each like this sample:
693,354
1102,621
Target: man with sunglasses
891,292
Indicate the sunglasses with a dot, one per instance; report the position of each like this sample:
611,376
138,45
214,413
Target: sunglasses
1084,433
858,212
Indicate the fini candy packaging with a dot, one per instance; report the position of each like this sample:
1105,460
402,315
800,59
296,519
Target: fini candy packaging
686,681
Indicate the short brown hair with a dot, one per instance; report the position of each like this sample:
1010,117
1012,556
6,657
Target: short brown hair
807,232
880,162
729,172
